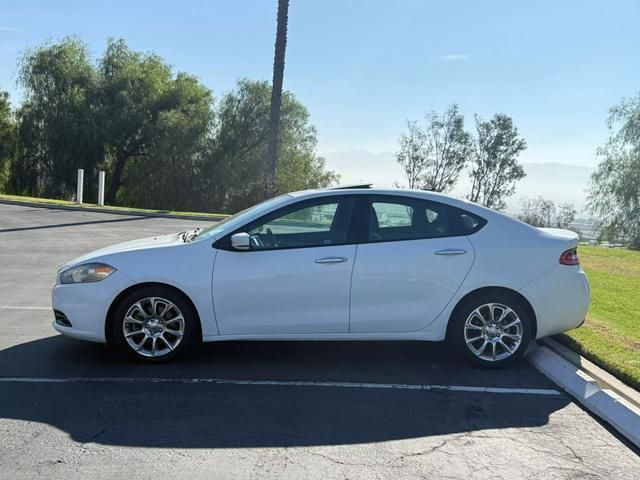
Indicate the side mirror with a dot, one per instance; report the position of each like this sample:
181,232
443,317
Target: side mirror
241,241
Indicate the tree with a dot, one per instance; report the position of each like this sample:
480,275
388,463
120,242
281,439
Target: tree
168,174
159,136
614,192
235,158
138,93
57,125
566,215
276,97
495,168
8,138
448,148
538,212
542,212
412,155
433,157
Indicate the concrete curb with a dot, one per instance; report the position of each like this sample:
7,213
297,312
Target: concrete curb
604,378
80,208
603,402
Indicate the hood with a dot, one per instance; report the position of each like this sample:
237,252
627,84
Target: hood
141,244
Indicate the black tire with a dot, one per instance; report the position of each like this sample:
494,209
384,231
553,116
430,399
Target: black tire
183,334
507,352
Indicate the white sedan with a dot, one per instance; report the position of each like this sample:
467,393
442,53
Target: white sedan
336,264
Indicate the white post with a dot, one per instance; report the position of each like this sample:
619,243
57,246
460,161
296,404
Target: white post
101,188
79,187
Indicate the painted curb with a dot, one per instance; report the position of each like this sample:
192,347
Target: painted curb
604,403
80,208
604,378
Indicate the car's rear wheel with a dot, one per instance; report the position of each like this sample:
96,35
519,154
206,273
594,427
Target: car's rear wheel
491,330
155,324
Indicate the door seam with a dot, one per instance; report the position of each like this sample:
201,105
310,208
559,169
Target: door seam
353,267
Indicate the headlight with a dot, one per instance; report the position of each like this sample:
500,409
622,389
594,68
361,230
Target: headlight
89,272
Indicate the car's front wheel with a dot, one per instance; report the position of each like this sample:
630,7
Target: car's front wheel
155,324
491,330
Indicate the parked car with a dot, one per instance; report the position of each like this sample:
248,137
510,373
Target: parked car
336,264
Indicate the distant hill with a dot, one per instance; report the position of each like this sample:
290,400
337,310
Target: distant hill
558,181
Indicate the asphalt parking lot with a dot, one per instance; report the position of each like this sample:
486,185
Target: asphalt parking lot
261,409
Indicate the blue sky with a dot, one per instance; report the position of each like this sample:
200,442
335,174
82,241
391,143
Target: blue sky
364,67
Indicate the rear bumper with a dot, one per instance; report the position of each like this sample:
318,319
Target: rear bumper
560,299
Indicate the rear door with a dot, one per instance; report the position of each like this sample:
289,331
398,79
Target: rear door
412,257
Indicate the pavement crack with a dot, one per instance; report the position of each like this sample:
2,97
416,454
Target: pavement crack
429,451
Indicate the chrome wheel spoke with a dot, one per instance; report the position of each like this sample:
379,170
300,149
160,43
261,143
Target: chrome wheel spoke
166,342
174,319
512,324
492,317
477,351
504,345
167,308
477,314
515,338
471,326
137,307
175,333
131,319
505,313
138,346
133,333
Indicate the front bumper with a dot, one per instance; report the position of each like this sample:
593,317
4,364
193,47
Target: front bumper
85,305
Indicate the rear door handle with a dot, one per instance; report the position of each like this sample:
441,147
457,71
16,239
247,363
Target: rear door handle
451,251
331,260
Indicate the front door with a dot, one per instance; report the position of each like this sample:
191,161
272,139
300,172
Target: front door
295,278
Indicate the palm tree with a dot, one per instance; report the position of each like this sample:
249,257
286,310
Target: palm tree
276,98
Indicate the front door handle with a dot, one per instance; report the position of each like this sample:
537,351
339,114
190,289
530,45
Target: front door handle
451,251
331,260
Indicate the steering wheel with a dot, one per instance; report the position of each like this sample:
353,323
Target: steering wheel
273,241
256,241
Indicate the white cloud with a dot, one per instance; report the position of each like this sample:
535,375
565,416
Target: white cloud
452,56
9,29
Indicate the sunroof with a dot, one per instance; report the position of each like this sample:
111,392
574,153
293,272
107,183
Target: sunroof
347,187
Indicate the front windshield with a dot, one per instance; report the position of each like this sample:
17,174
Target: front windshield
239,218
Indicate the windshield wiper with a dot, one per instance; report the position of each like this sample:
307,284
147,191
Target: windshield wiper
189,237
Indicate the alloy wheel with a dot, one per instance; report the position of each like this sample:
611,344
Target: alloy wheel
153,327
493,332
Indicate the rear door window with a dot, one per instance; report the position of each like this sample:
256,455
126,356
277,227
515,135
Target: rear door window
397,218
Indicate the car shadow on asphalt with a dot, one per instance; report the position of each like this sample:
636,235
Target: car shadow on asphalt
71,224
207,415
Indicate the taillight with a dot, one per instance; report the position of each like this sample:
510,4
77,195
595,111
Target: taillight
570,257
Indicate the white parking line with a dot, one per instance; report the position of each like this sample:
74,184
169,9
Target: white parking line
287,383
13,307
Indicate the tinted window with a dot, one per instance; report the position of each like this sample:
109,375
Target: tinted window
405,219
391,215
316,225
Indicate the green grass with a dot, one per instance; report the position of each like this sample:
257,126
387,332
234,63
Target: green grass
67,203
611,335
